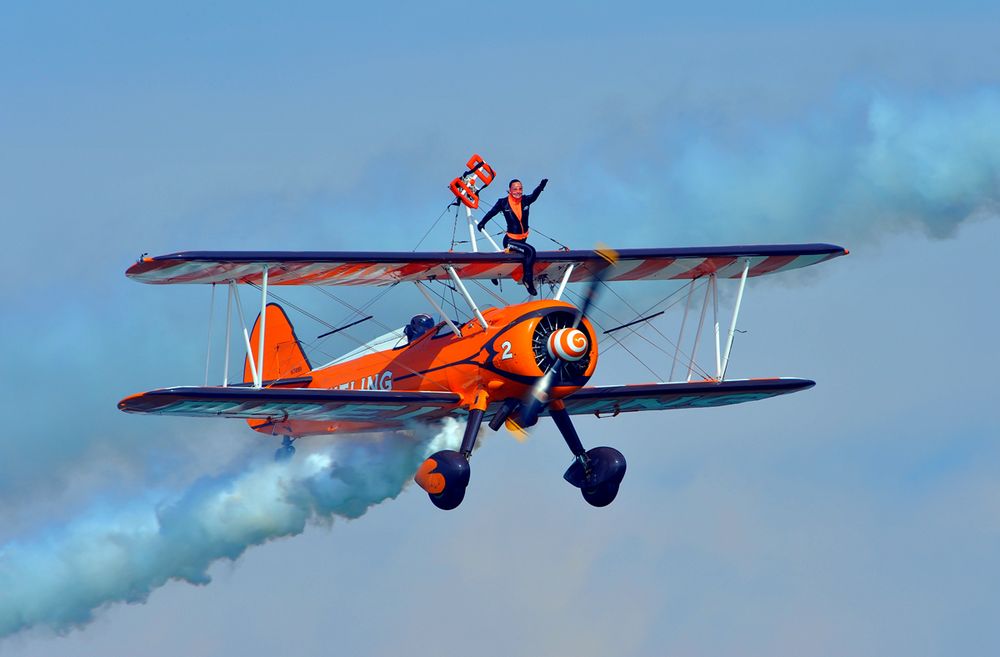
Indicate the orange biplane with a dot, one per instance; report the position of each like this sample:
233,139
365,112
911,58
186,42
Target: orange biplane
512,364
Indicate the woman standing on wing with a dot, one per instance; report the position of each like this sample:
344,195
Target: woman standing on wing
515,210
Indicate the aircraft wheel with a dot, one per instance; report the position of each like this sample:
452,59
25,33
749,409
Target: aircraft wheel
445,476
600,478
602,495
284,453
448,500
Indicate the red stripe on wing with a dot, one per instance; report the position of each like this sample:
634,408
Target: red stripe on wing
648,268
709,266
771,264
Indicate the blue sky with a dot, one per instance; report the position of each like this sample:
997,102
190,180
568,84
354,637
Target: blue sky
860,517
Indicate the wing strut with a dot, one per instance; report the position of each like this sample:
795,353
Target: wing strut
715,318
246,337
697,335
472,233
465,294
229,329
680,337
208,350
562,283
263,321
736,314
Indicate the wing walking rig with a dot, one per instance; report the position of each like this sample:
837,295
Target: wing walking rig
511,364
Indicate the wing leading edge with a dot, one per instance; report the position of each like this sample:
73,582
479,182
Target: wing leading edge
612,400
396,409
385,268
384,408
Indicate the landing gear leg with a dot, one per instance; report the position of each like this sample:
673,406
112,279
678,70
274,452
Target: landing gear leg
286,451
597,472
568,431
471,432
445,475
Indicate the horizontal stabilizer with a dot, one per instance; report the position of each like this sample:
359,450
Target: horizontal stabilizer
385,268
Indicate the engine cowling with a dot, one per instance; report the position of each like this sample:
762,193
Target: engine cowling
557,327
528,347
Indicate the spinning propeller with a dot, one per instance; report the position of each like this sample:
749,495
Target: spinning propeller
565,345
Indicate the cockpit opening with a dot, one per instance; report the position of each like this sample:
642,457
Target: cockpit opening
419,324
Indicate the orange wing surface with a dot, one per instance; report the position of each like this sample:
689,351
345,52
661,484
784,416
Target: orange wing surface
385,268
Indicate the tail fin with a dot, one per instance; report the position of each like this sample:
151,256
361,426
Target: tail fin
283,355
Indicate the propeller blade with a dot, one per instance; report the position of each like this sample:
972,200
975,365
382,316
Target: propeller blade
539,395
516,430
610,258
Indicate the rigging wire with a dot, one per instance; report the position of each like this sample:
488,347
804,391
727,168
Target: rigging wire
533,228
384,326
454,230
689,357
454,304
638,314
489,291
617,340
686,355
655,305
357,311
632,331
295,307
552,239
312,345
443,213
446,302
364,307
345,333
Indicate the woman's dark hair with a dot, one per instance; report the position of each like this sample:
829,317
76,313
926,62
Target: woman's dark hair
512,182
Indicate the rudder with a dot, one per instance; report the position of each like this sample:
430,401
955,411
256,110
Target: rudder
283,354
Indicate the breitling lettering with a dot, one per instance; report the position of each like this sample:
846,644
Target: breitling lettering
380,381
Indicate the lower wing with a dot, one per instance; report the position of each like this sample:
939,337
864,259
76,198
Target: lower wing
612,400
386,408
378,407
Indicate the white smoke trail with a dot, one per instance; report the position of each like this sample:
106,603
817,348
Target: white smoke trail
849,171
58,580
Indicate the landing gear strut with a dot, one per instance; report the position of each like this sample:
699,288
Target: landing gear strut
597,472
286,451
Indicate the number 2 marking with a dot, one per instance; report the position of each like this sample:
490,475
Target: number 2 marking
506,350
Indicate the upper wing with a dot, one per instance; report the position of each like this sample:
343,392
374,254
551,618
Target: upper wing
383,268
382,407
612,400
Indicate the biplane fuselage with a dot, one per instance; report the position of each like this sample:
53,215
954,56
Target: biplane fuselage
500,361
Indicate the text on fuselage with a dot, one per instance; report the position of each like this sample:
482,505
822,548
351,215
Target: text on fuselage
380,381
